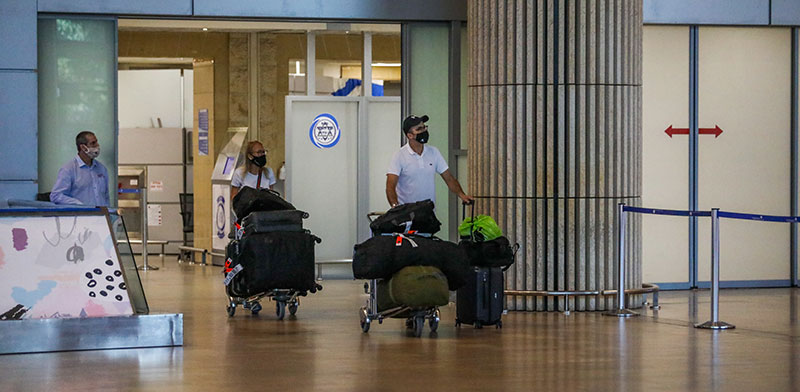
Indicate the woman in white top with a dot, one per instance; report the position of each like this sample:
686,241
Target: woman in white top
253,174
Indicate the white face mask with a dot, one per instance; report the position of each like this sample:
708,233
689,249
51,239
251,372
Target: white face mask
92,152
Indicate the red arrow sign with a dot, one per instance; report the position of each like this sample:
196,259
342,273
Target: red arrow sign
716,131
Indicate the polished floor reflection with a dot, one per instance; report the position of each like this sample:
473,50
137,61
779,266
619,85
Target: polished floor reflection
323,348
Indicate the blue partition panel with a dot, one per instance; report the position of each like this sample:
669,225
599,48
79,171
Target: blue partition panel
786,12
17,34
724,12
18,125
120,7
393,10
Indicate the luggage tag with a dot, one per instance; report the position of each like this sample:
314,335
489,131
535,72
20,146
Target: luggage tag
232,273
400,239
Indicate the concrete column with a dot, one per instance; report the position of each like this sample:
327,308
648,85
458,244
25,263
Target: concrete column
555,138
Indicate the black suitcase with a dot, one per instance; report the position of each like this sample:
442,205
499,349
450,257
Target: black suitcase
267,221
480,301
274,260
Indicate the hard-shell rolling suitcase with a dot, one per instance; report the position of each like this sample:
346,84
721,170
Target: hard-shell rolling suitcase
269,221
480,302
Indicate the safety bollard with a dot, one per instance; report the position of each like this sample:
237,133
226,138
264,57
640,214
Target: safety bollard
620,311
714,323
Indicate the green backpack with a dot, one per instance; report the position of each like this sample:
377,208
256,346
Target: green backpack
481,228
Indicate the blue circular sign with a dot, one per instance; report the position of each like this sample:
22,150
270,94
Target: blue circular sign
324,131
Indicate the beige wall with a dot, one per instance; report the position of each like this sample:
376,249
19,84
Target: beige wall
744,87
201,45
204,95
665,166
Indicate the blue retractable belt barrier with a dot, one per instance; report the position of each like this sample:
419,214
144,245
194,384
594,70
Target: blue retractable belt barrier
134,190
655,211
766,218
53,209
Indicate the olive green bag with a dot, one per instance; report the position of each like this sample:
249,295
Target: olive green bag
414,286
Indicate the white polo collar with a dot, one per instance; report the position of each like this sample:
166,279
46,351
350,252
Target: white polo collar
411,151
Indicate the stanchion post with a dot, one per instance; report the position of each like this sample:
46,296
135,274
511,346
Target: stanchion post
620,311
145,266
714,323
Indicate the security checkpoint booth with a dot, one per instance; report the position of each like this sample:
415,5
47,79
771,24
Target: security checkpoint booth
227,162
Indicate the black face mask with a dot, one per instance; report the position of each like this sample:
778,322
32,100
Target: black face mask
259,161
422,138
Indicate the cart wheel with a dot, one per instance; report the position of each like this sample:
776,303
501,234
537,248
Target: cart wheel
293,308
478,325
280,309
231,310
419,323
434,321
365,321
410,323
255,308
499,325
458,323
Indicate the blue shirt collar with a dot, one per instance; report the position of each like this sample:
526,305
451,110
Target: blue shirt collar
82,163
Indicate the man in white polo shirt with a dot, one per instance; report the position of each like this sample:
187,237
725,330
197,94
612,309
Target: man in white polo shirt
410,177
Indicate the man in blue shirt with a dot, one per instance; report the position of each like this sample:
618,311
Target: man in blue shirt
82,180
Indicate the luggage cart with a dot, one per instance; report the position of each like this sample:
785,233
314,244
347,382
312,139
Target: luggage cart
284,298
415,316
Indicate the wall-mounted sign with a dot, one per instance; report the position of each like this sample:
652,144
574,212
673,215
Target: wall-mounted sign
202,132
157,186
154,214
324,131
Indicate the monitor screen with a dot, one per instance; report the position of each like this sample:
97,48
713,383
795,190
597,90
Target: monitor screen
228,168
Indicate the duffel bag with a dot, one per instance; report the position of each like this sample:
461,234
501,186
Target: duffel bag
267,221
249,200
277,260
417,216
414,286
495,253
382,256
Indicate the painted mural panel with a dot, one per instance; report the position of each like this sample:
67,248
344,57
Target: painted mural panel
60,267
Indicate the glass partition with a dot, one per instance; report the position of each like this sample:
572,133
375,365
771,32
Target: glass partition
128,262
77,91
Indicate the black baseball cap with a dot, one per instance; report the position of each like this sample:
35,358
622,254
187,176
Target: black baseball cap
413,120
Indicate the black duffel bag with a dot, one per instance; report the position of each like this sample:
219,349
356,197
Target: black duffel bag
495,253
267,221
274,260
380,257
420,214
249,200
